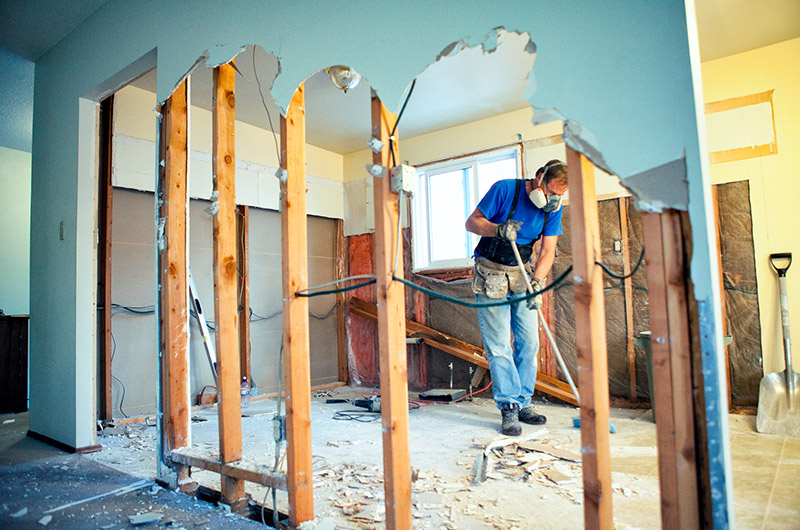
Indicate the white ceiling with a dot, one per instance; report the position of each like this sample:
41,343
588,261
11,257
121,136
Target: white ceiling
467,86
728,27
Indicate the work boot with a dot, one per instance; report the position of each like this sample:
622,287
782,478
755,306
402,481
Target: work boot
527,415
511,426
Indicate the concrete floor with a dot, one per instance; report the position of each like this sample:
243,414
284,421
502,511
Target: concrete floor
348,461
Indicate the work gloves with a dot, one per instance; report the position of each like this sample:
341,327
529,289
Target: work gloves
508,231
536,301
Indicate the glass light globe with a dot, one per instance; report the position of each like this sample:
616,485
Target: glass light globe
343,77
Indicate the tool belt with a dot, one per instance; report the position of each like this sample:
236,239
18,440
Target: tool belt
494,280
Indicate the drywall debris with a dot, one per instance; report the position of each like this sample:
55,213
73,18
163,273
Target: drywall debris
8,421
214,208
146,518
554,451
45,520
20,513
662,187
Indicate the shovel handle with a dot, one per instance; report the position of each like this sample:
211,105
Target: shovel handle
781,256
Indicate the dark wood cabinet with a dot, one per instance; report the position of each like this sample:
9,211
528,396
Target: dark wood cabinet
13,363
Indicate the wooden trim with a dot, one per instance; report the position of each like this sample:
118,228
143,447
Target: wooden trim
590,331
474,153
226,303
174,297
294,239
340,262
462,350
390,297
627,285
243,259
237,473
105,209
669,322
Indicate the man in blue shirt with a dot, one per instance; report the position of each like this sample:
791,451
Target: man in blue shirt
522,211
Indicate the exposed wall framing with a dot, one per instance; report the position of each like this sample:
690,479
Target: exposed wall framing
391,332
174,297
243,261
295,311
672,368
226,278
591,340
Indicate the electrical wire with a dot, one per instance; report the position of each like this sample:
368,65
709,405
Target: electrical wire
524,298
266,108
622,276
306,294
399,117
113,352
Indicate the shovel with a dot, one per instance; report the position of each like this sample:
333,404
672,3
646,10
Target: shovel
779,392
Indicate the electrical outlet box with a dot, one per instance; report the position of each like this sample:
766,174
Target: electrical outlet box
279,428
404,178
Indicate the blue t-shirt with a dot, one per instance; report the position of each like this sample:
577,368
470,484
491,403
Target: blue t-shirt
496,204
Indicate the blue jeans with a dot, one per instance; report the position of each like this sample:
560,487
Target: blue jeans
513,369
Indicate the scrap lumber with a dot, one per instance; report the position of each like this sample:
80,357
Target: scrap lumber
296,344
463,350
390,296
590,331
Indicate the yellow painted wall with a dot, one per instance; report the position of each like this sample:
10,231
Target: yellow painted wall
134,117
774,180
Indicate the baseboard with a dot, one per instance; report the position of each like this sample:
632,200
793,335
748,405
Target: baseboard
64,447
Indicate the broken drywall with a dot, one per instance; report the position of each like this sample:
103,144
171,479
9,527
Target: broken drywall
665,186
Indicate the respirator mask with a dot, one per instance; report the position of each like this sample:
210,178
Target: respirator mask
550,202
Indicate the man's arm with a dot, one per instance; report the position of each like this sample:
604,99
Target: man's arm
546,257
477,223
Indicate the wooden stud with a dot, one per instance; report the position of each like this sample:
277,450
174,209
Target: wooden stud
226,277
105,210
590,331
296,349
669,323
174,298
341,301
243,259
390,297
627,285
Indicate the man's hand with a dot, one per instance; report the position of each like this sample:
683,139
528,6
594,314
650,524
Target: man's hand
536,301
508,230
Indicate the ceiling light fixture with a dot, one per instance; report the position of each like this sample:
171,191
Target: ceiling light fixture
343,77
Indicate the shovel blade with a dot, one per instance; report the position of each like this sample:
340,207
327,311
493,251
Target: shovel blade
778,410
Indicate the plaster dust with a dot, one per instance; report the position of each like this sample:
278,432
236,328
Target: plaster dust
523,489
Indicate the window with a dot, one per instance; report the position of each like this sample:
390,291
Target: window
447,194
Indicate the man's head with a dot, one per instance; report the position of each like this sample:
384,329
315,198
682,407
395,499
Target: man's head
549,186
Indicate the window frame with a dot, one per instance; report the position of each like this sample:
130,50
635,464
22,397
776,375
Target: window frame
420,218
